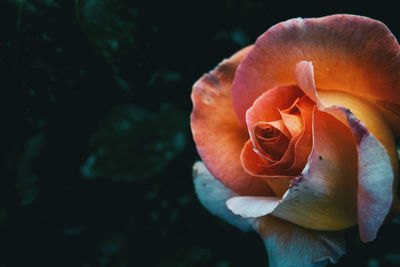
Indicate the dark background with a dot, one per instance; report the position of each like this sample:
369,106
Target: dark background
98,144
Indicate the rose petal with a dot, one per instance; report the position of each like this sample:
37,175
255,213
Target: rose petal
266,107
375,175
300,246
213,195
324,196
218,136
371,199
375,179
295,157
381,132
304,77
252,207
345,51
391,113
288,244
304,144
256,166
293,121
260,166
272,149
368,114
364,110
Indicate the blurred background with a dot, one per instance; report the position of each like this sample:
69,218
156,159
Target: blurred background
99,153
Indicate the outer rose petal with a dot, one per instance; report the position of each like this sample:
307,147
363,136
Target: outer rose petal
252,207
291,245
218,135
350,53
375,178
378,129
213,195
324,196
369,115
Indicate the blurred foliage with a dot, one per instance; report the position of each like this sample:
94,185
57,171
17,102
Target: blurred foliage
26,179
108,23
134,143
98,147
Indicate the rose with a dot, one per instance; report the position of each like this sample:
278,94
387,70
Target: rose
300,129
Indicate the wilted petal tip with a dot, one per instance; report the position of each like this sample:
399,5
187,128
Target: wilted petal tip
357,126
297,180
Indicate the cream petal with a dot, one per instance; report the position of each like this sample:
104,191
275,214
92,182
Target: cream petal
252,207
213,195
288,244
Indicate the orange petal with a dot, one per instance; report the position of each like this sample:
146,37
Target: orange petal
278,174
350,53
218,136
266,107
298,123
327,188
304,144
256,165
293,120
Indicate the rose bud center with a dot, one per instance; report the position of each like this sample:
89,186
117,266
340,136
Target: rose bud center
270,143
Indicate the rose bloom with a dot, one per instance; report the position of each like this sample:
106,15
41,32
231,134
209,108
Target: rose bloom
297,136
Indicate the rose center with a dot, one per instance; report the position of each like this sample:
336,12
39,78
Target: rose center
266,133
270,142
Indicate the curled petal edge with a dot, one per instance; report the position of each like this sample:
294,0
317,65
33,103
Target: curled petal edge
375,177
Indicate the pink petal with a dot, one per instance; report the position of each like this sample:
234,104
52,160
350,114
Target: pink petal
218,136
350,53
288,244
375,179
